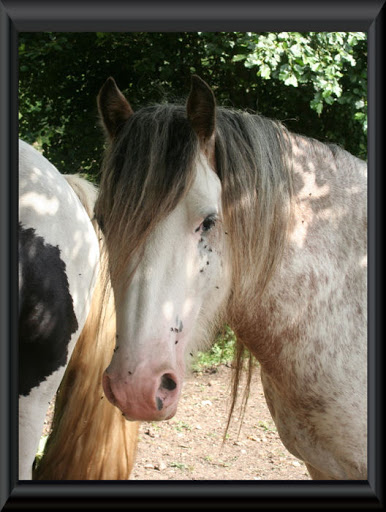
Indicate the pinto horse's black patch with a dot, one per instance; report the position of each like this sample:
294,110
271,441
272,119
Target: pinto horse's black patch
46,313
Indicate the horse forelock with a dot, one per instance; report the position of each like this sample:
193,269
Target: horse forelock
145,174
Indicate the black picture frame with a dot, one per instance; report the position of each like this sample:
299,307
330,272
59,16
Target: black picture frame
146,15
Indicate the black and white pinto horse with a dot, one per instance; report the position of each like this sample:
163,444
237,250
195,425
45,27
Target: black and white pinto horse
58,268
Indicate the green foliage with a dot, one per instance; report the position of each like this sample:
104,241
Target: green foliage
332,66
319,59
314,82
220,353
40,452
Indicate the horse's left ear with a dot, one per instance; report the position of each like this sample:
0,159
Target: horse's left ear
113,107
201,111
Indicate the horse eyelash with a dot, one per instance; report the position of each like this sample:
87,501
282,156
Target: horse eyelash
212,219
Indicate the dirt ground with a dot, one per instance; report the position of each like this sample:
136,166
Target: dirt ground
189,446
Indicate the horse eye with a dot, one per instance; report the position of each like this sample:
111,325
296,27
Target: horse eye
208,223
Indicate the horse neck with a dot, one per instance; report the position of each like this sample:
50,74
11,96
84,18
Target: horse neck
327,207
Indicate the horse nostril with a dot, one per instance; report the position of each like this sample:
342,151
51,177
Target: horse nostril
160,403
167,382
166,395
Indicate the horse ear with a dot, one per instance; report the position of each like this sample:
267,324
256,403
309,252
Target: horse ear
113,107
201,111
200,108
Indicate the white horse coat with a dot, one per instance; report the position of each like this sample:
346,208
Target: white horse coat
58,267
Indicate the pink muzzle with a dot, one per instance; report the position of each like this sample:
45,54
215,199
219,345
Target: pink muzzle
144,398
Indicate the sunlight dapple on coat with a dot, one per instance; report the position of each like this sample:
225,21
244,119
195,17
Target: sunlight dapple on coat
214,215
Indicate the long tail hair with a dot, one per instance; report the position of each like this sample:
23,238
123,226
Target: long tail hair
90,439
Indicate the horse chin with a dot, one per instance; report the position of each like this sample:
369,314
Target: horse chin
149,414
162,416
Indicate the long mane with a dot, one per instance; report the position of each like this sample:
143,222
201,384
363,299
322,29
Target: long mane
253,162
145,173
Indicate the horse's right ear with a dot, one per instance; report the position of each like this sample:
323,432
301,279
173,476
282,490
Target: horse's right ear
201,111
113,107
200,108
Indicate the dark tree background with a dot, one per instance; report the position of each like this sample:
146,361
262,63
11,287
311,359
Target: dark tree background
316,83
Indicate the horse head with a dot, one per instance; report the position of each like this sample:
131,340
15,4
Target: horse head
160,207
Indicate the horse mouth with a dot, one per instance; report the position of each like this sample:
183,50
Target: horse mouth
151,415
